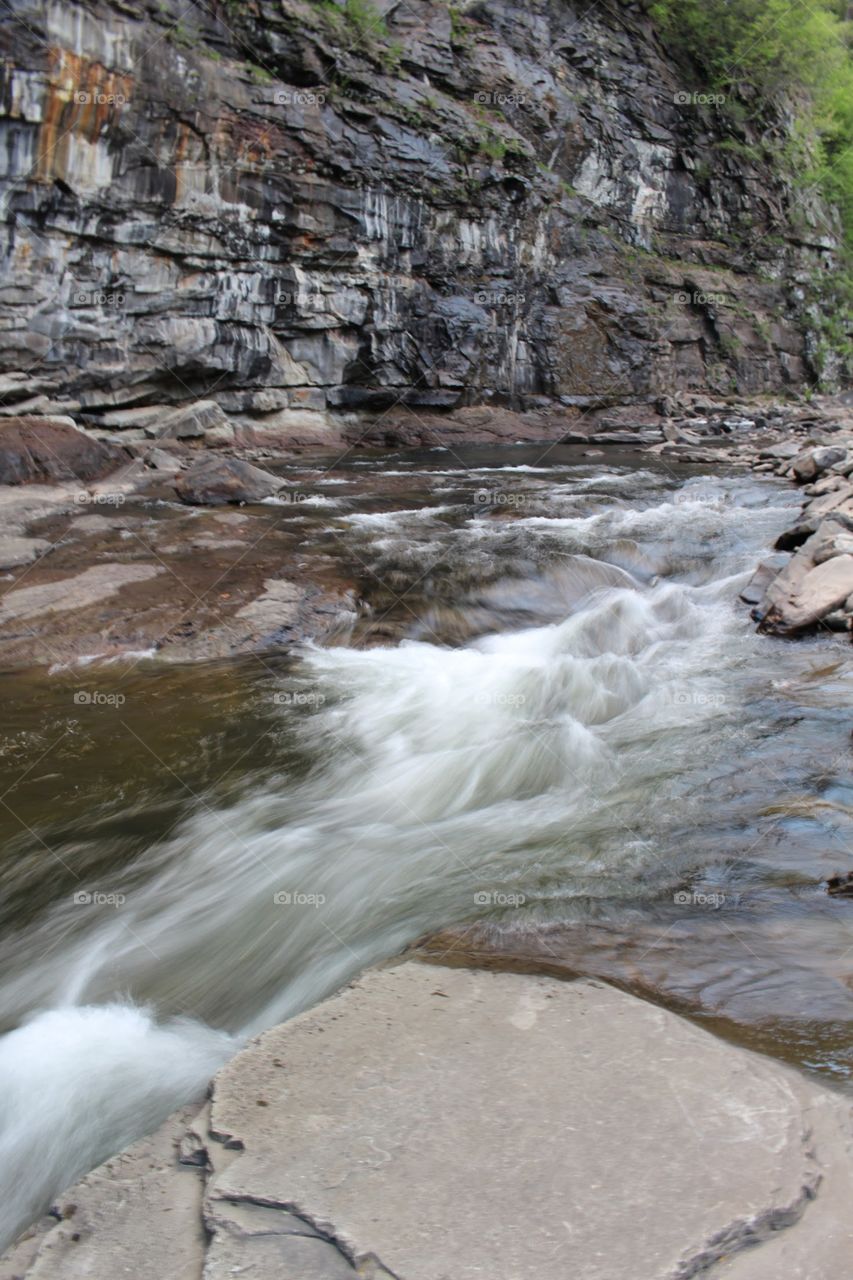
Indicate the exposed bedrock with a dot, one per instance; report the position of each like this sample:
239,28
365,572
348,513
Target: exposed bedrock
430,1123
287,211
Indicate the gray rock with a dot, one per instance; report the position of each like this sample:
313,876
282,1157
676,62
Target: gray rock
214,481
808,465
162,460
76,592
781,452
799,600
16,551
204,418
282,244
756,589
441,1124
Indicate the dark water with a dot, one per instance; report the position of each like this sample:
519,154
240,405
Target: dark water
552,716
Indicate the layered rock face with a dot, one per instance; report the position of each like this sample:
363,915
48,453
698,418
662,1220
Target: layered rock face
293,207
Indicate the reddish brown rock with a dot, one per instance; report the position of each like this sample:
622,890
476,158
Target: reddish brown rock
37,450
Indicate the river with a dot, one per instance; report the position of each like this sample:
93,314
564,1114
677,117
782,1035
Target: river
551,713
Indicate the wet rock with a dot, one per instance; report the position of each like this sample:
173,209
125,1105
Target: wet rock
78,592
203,233
478,1111
16,551
756,589
277,609
841,885
215,481
815,461
802,596
39,450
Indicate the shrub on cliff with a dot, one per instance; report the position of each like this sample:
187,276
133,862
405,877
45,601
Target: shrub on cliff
779,50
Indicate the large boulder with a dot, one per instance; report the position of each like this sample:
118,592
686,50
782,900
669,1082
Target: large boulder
799,600
35,450
213,482
815,461
204,418
431,1122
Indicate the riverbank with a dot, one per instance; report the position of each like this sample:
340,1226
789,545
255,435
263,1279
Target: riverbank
551,720
187,541
434,1123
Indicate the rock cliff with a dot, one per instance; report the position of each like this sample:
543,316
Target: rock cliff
292,207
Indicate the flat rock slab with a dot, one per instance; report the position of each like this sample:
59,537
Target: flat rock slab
89,587
447,1124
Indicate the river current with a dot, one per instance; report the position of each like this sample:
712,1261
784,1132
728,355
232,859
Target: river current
552,715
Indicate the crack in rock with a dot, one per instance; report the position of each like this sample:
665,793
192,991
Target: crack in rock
748,1233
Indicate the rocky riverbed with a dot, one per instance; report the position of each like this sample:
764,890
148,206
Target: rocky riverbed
295,708
169,538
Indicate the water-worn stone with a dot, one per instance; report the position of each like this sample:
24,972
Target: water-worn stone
215,481
447,1124
39,450
16,551
756,589
801,600
815,461
78,592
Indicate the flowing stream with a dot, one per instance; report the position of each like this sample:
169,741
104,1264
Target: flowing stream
552,713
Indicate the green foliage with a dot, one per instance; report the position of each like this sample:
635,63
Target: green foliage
772,51
180,36
459,32
830,304
260,75
361,17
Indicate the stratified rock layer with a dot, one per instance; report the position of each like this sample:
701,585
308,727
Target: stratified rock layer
443,1124
290,208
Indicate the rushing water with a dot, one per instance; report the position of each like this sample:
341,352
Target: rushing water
553,713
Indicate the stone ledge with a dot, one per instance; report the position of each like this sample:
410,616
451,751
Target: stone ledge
446,1124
